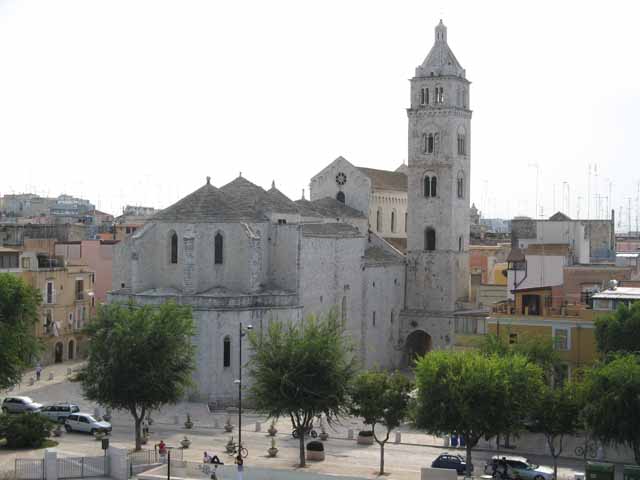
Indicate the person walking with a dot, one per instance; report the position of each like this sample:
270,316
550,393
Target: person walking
38,371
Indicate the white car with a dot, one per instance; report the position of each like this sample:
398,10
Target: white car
84,422
59,412
522,467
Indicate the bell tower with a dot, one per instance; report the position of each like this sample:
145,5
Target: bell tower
438,184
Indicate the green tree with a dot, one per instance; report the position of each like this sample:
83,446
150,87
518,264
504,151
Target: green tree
140,358
474,395
18,315
619,331
556,413
25,431
612,402
380,398
302,370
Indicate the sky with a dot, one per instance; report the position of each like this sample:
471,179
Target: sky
137,101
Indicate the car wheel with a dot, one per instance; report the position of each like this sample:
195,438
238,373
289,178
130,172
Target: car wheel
538,477
93,431
68,428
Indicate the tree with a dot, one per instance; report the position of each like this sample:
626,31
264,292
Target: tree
302,370
612,402
474,395
25,431
556,413
140,358
19,345
619,331
380,398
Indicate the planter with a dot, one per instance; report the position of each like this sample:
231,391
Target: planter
228,427
315,456
99,434
365,437
188,425
106,417
57,432
273,452
324,436
185,442
272,431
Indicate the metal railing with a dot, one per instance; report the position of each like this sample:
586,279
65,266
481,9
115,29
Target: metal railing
29,469
81,467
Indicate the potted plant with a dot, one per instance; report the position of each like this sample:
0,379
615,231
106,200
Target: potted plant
272,429
231,446
228,427
315,450
365,437
323,432
185,442
273,451
57,432
99,434
188,424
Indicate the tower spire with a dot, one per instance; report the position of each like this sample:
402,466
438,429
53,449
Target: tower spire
441,32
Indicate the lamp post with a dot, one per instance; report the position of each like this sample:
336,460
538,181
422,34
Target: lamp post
241,333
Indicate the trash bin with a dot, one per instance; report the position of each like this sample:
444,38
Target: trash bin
454,440
631,472
599,471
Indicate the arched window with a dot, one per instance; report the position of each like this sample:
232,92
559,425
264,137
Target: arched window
460,243
425,143
406,220
460,185
462,141
429,239
430,143
434,185
173,257
427,186
340,197
379,221
218,244
226,352
393,221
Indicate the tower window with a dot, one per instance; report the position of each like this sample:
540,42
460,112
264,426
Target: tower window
379,221
340,197
429,239
406,220
426,90
434,184
430,143
462,150
173,257
460,243
374,319
427,186
218,249
393,222
460,185
422,99
226,352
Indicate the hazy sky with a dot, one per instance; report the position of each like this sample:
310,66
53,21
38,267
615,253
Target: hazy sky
138,101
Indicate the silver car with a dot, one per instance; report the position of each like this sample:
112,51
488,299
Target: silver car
59,412
20,405
84,422
521,467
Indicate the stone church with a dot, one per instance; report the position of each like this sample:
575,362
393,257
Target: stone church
387,249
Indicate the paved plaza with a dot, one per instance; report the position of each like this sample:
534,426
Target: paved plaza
343,456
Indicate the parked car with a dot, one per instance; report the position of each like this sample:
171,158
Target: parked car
84,422
20,405
59,411
521,467
451,462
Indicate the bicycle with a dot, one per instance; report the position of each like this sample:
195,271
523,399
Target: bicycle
309,431
242,451
587,450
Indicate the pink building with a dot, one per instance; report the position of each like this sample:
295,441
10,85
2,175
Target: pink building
96,254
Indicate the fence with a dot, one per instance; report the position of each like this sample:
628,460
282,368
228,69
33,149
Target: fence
137,460
29,469
81,467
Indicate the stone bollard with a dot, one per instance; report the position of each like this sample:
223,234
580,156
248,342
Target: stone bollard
398,437
51,376
216,423
350,434
31,381
258,427
176,420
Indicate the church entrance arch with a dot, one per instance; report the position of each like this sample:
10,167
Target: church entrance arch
418,344
58,352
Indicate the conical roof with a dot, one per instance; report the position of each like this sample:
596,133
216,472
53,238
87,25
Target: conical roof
207,205
250,195
440,60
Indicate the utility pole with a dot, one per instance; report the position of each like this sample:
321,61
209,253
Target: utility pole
629,214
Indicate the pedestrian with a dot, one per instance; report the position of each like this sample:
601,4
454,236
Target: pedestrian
38,371
239,463
145,428
162,450
206,458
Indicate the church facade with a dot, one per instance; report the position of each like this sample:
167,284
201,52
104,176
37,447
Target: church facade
240,254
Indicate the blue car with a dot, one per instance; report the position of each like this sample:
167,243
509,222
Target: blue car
451,462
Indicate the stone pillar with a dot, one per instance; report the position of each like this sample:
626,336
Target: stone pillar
118,463
50,464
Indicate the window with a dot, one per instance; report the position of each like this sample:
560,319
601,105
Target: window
50,293
379,221
513,338
391,317
406,220
429,239
374,319
422,97
226,352
218,245
561,339
434,184
393,221
80,289
340,197
26,263
462,149
531,304
282,221
427,186
174,248
460,243
430,143
460,185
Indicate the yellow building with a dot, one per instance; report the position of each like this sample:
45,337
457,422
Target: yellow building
67,301
532,314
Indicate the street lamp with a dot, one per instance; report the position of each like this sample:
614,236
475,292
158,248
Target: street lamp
241,333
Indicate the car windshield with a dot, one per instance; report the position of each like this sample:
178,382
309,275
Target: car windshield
90,418
532,466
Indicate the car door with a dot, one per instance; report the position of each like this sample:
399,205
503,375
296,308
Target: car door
72,421
20,404
520,468
84,424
